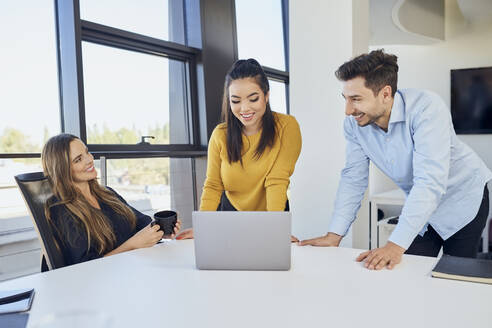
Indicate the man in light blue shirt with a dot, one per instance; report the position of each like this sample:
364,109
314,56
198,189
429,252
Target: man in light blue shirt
408,134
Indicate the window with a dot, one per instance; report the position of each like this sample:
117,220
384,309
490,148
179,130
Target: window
29,102
29,82
260,32
139,79
146,17
278,97
127,96
134,85
12,205
150,185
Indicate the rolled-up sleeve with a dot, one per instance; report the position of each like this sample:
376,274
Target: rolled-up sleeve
353,183
431,130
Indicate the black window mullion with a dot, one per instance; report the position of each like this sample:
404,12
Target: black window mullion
280,76
67,17
114,37
217,35
287,102
192,84
20,155
277,75
148,154
142,147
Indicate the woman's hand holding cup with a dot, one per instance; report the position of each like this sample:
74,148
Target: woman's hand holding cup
146,237
168,222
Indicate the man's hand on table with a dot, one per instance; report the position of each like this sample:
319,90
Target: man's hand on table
387,256
331,239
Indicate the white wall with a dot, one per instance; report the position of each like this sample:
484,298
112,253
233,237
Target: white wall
323,35
468,44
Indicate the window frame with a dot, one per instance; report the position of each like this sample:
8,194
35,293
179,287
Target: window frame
69,59
71,78
273,73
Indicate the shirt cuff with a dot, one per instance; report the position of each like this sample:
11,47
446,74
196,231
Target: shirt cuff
403,235
339,226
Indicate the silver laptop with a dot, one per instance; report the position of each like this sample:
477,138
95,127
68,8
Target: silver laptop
242,240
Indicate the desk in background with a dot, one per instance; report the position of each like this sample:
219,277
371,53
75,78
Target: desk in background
397,197
391,197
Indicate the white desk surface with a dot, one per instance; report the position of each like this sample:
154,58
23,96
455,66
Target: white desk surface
160,287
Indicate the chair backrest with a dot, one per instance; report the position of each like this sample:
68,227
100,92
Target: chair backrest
36,190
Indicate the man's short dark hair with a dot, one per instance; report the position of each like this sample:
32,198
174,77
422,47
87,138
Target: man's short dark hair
377,68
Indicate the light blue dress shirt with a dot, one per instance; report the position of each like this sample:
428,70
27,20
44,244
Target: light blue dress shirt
443,179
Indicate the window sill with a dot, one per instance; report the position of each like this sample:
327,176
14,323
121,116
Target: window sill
20,250
16,230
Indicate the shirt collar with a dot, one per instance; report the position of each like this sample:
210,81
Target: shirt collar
398,109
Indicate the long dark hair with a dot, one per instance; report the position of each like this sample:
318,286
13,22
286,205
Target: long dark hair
56,166
242,69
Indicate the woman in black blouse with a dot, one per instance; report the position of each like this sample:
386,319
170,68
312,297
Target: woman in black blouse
89,221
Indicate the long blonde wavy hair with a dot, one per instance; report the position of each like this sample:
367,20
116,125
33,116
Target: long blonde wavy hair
56,166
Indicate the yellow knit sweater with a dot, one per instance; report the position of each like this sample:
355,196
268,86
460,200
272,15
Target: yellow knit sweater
260,184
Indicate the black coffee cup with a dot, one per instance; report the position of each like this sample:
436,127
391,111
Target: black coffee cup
166,221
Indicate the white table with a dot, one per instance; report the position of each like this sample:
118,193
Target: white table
160,287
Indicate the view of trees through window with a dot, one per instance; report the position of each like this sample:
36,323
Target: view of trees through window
105,135
13,140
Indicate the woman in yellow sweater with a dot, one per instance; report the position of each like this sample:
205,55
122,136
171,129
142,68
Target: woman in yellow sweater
252,155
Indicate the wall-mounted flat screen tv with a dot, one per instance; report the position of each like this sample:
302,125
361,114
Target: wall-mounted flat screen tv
471,100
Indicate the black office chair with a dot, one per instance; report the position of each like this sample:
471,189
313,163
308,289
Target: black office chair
36,190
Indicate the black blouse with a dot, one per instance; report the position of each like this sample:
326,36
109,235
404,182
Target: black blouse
72,237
